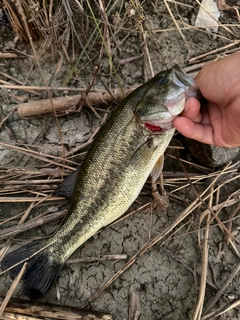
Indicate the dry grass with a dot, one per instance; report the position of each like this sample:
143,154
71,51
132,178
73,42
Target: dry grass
98,34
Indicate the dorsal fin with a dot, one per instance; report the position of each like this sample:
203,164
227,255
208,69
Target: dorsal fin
65,189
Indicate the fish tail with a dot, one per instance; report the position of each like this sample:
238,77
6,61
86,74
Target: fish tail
41,272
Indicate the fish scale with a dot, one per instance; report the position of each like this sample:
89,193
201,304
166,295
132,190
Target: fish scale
124,153
108,181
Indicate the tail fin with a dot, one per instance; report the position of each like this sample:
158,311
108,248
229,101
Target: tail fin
41,271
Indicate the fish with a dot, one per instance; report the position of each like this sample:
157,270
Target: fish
128,148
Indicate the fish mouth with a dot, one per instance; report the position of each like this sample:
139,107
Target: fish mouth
158,113
169,112
160,126
181,79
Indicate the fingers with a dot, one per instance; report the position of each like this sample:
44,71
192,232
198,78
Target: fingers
206,127
219,81
203,133
193,130
195,124
191,110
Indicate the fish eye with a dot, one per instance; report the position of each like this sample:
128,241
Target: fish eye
162,81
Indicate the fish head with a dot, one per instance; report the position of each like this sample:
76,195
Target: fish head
164,99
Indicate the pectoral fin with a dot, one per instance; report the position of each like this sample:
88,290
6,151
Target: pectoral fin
141,151
157,169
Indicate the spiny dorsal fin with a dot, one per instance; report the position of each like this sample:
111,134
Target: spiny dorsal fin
66,188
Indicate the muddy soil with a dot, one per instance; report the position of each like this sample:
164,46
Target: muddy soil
166,277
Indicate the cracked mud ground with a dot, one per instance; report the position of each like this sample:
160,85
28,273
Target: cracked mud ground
167,275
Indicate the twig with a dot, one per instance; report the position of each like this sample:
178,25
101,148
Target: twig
181,4
144,33
38,155
92,259
134,304
7,55
11,78
25,310
68,104
176,24
236,42
222,289
229,227
12,289
27,182
198,309
8,116
193,164
214,314
33,223
41,88
29,199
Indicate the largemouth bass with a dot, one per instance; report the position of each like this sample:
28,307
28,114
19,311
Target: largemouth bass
123,155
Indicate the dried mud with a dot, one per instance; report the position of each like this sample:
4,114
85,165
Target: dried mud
166,276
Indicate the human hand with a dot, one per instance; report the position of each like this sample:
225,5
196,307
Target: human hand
217,122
